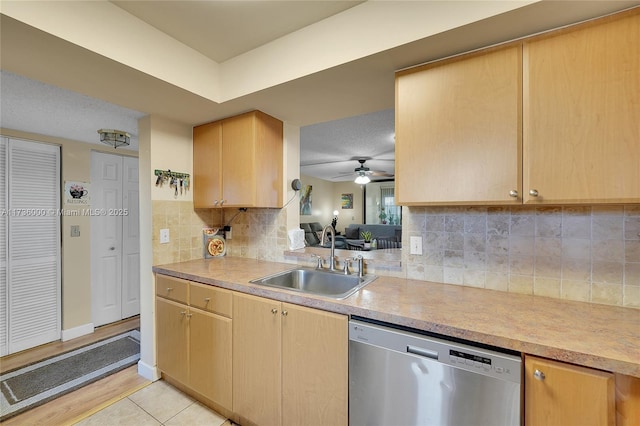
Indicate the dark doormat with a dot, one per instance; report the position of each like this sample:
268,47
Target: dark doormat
41,382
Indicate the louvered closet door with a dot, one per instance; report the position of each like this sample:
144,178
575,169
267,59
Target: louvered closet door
33,244
4,318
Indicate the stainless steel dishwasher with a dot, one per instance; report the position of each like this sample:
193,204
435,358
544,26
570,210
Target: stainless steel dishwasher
400,377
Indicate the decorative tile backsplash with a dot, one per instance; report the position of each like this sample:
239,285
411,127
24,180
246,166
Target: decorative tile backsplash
185,230
589,254
257,233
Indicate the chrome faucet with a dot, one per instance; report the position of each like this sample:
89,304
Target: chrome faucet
332,258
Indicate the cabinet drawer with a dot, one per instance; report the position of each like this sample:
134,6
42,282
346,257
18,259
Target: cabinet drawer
210,299
172,288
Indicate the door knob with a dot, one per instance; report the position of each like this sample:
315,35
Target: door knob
513,193
274,311
112,248
533,192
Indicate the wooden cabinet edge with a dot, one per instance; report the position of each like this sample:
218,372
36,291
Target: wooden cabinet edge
627,400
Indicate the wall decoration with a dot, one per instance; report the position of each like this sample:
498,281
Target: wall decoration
76,192
305,200
177,181
347,201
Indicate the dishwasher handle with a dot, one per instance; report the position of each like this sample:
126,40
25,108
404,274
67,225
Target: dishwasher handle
422,352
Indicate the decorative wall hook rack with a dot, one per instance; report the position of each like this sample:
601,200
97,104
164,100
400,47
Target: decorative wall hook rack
178,181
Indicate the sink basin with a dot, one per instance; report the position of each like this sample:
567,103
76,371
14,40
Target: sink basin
313,281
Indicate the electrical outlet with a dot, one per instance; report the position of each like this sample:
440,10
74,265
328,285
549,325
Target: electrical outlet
75,230
164,236
415,244
227,232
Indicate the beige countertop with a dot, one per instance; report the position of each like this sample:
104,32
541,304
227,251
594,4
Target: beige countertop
598,336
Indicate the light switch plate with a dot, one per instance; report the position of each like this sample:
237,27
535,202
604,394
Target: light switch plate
164,236
415,244
75,230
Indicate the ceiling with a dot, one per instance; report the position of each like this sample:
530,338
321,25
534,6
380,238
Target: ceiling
345,109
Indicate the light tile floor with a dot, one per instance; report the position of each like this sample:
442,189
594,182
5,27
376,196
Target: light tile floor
156,404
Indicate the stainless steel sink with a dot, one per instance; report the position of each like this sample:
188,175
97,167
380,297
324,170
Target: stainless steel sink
313,281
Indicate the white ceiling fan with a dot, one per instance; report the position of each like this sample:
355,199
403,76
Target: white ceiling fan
363,174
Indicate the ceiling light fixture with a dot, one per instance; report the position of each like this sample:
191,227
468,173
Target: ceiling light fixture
362,178
114,138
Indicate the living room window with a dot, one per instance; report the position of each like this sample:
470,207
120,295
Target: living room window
389,212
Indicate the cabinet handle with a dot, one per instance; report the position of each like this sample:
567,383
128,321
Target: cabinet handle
285,313
221,202
215,203
274,311
169,289
533,192
183,313
189,315
539,375
513,193
207,300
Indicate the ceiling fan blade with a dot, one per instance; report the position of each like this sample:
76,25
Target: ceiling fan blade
343,175
381,173
320,163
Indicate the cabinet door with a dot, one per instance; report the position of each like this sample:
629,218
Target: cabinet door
239,162
207,163
172,339
210,356
257,384
581,114
458,130
314,367
564,394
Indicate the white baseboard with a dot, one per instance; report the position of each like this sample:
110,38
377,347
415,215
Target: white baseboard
74,332
148,372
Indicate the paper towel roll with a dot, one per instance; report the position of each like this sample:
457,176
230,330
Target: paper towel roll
296,239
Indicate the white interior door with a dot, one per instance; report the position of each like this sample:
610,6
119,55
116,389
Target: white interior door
130,239
115,272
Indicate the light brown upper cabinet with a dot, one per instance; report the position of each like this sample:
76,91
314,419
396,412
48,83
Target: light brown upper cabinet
238,162
581,117
458,130
552,119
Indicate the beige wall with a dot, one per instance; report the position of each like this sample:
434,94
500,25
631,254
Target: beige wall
172,149
327,197
76,252
348,216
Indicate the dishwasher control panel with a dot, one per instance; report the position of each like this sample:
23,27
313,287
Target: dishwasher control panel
487,362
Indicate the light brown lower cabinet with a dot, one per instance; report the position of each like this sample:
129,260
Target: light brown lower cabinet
193,344
557,393
290,363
